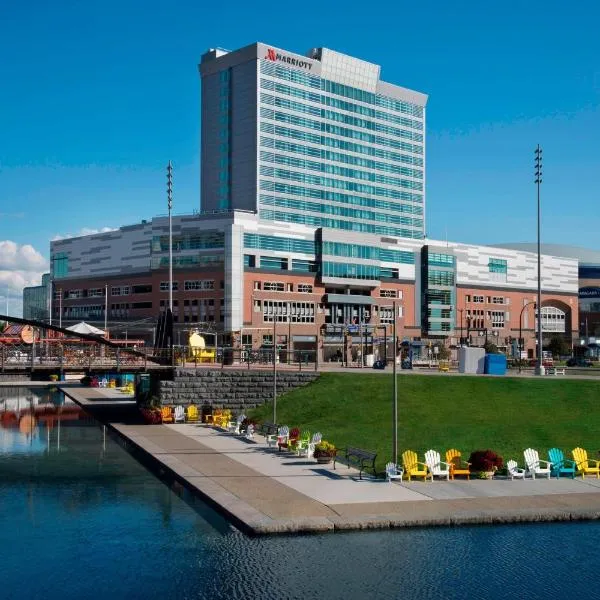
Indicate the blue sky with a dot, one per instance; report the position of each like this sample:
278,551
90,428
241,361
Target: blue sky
96,98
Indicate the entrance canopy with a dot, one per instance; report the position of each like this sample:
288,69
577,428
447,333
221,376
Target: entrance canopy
85,328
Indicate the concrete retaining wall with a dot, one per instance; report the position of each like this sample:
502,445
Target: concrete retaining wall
228,388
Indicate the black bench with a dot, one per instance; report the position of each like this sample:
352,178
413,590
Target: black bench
266,429
361,459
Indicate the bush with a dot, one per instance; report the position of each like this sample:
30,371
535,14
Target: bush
485,461
324,449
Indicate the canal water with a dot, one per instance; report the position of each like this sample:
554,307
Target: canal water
81,518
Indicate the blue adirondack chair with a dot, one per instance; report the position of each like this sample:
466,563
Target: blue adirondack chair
560,464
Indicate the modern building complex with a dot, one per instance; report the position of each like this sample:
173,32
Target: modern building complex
312,219
36,300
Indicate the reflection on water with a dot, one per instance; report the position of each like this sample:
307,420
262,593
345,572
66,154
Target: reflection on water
80,518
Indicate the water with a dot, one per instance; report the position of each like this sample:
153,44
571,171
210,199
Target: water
80,518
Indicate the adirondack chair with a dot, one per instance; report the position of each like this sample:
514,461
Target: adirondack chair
411,466
513,471
457,465
560,464
309,449
303,442
533,464
583,463
290,442
166,414
393,471
192,414
282,433
250,432
234,426
436,466
179,414
223,419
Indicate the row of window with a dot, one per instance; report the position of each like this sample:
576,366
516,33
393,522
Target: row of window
272,215
190,285
279,286
280,264
498,265
339,89
350,186
342,211
196,241
271,242
186,262
436,259
367,252
357,271
286,312
314,138
274,115
359,109
437,277
490,299
320,152
304,192
311,165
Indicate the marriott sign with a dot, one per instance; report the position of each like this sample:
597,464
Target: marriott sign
295,62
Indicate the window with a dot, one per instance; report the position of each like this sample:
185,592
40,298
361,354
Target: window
497,265
305,288
122,290
267,339
192,285
141,305
74,294
143,288
387,293
257,285
467,298
478,299
553,319
96,292
497,299
249,261
164,286
386,314
305,266
437,277
247,339
273,286
288,312
273,262
497,318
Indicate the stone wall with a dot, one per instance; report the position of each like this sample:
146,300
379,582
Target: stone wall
228,388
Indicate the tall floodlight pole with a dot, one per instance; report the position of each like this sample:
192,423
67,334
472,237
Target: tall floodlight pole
106,310
395,412
170,205
275,368
538,181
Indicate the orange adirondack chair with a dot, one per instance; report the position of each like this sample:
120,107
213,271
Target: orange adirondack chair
166,412
457,465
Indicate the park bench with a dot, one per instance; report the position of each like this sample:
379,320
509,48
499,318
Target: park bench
556,371
361,459
267,429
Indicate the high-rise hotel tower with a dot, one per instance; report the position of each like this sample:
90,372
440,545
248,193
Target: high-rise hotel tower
317,140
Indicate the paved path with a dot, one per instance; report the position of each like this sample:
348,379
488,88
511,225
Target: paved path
264,491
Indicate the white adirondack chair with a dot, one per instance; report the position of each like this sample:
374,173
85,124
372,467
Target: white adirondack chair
250,432
533,463
436,466
179,416
308,450
282,434
514,472
234,426
393,471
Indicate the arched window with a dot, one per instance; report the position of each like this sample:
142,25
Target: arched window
553,319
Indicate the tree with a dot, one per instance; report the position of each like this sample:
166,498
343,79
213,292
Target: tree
558,346
490,348
443,352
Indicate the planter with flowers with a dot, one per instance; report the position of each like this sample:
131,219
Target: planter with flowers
485,463
324,452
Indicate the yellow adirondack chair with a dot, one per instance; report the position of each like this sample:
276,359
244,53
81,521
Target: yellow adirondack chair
192,414
414,468
458,466
582,463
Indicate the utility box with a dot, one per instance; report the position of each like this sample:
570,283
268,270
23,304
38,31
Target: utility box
495,364
471,360
143,388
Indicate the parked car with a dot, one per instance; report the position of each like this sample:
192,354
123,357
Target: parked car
575,361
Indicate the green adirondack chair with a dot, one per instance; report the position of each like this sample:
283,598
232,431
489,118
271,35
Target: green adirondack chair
560,464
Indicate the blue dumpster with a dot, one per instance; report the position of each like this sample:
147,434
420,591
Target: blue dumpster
495,364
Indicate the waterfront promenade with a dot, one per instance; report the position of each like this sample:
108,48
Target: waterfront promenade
263,491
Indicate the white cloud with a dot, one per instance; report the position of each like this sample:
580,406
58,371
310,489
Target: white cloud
81,232
21,265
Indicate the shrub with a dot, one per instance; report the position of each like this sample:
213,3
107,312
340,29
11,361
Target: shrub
323,449
485,460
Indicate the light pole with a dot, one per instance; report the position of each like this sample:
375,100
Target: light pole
521,330
60,307
462,337
538,181
170,206
106,310
395,411
275,368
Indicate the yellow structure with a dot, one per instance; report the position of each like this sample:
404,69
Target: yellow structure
583,464
411,466
198,350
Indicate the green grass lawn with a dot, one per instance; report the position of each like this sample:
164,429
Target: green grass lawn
469,413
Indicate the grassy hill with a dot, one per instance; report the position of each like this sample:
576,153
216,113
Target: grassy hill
469,413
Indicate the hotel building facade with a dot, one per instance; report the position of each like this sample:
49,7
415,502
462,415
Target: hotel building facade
313,217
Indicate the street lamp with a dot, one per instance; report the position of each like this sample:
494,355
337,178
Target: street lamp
521,330
461,311
538,181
